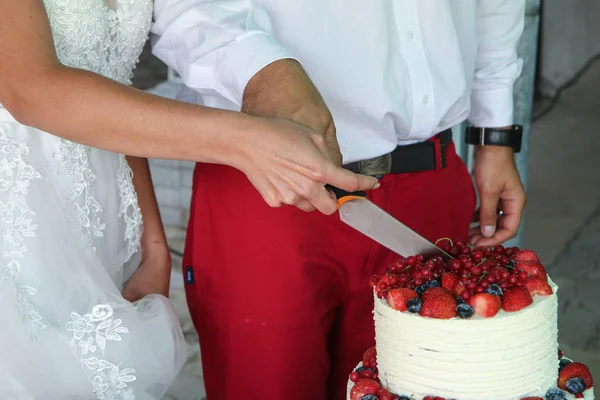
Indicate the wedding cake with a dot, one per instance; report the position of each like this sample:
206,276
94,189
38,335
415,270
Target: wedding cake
482,326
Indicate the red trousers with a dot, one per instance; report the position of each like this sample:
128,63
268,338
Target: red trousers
280,297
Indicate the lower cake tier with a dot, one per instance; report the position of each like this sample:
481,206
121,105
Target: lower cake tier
364,384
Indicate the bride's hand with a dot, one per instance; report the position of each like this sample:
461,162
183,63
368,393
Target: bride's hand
153,276
290,164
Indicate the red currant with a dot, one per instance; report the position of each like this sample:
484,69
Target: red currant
522,275
354,377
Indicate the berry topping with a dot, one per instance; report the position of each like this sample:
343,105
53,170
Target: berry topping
449,280
369,355
440,306
363,387
434,292
555,394
458,289
575,370
516,299
575,385
397,298
526,255
494,289
464,310
531,269
562,363
485,304
538,285
383,394
369,397
413,306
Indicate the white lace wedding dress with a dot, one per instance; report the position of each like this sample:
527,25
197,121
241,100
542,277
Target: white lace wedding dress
70,237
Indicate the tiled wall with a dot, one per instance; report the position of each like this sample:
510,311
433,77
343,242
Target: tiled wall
173,186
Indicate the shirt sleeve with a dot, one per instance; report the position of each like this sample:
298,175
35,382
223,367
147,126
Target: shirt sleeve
500,25
215,45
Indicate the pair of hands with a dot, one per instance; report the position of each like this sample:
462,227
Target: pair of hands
283,91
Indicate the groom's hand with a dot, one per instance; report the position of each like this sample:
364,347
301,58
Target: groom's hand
282,89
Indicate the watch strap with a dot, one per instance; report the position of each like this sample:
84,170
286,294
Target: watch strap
510,137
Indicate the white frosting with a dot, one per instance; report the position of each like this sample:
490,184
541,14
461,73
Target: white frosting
509,356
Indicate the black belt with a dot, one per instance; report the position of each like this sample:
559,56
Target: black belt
417,157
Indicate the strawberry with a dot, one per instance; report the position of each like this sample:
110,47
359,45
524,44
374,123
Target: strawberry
532,268
370,354
383,394
458,289
449,280
575,370
440,306
435,292
515,299
538,285
485,304
398,297
526,255
363,387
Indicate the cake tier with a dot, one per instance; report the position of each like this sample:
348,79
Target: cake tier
509,356
588,394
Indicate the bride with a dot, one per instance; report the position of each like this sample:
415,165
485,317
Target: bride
82,289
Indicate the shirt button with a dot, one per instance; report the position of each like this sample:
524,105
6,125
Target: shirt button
410,35
425,99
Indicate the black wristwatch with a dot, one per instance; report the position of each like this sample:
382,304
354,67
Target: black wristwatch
510,137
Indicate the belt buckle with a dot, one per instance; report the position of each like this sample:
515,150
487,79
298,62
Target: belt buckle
377,166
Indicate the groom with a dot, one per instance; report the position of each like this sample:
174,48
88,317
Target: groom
280,297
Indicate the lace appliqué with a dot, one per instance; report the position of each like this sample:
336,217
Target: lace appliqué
86,209
92,333
129,209
90,35
16,225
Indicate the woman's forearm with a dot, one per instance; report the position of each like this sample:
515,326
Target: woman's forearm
154,233
87,108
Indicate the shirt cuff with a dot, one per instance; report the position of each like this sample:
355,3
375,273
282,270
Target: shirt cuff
246,57
492,108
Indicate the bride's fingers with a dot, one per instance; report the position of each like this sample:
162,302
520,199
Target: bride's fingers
305,205
322,199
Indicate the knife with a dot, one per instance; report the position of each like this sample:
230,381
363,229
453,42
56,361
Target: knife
363,215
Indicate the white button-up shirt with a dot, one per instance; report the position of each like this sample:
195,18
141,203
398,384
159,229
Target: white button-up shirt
392,72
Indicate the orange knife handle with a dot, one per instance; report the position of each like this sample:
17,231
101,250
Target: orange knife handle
343,196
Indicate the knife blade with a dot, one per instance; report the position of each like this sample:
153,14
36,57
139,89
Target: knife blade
366,217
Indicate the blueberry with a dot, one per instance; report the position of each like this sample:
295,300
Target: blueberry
435,283
563,363
403,398
421,289
359,369
413,305
464,310
494,289
369,397
512,263
459,300
575,385
555,394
